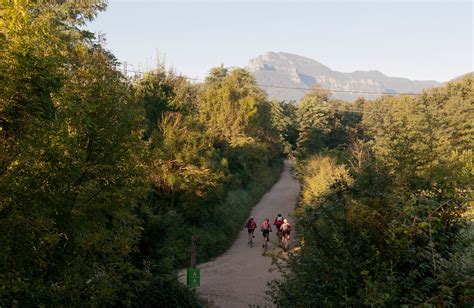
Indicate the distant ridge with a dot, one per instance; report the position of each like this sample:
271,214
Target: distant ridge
289,70
462,76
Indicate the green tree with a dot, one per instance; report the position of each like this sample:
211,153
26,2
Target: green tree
230,103
161,91
71,163
324,123
283,119
396,231
312,119
235,112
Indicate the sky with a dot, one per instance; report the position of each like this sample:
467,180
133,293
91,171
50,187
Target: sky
427,40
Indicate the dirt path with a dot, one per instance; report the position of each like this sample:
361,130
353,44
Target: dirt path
239,277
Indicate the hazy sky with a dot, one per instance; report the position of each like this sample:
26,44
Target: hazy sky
422,40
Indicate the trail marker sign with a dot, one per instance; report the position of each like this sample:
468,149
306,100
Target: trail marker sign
193,277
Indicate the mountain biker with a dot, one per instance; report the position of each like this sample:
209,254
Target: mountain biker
251,225
266,228
285,228
277,223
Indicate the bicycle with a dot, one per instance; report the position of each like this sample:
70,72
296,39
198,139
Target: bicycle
265,243
251,236
266,229
286,241
278,235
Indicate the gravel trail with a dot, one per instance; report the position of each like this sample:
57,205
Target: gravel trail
238,278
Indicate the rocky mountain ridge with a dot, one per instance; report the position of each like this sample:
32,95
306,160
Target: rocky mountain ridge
278,72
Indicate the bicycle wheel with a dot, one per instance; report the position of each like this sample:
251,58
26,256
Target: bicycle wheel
286,242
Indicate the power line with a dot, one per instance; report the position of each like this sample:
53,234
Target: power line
295,88
341,91
335,108
349,110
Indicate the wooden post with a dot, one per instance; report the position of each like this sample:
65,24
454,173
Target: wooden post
193,251
194,254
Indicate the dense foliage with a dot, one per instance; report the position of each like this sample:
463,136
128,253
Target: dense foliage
202,174
387,224
103,179
322,124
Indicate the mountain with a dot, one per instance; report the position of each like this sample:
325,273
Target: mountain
284,71
462,76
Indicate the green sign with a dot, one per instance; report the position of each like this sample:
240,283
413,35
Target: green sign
194,277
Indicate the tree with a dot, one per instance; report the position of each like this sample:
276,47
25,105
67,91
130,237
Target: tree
324,123
395,232
235,112
73,171
312,119
162,91
283,117
229,104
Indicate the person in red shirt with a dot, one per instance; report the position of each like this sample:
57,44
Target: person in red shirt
251,225
277,223
266,228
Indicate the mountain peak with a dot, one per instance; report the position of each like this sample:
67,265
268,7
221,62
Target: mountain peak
288,70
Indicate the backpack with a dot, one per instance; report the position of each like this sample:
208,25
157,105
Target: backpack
265,225
250,224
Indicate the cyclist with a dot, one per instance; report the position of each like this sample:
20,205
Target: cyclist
266,228
285,230
277,223
251,225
